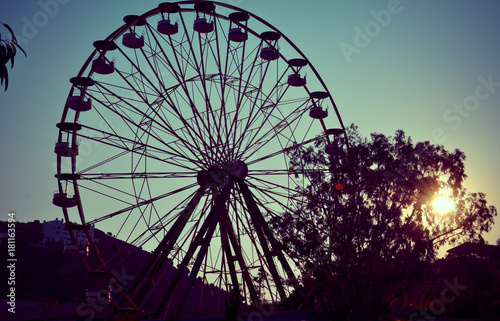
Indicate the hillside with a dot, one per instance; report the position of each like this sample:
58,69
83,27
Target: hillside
48,273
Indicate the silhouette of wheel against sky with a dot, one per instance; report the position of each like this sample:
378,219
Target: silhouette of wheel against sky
176,137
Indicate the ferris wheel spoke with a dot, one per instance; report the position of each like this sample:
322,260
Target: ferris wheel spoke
257,141
260,91
245,89
185,55
105,186
138,175
267,185
270,197
161,58
282,151
181,78
268,104
248,75
252,105
204,46
153,212
143,95
169,155
223,66
206,50
172,160
152,57
276,134
284,122
275,125
142,203
191,60
267,98
134,245
141,187
107,195
137,75
147,124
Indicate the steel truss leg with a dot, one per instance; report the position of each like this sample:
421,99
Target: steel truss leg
258,223
224,226
244,269
143,282
201,240
266,236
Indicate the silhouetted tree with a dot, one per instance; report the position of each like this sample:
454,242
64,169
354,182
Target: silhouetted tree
366,230
8,50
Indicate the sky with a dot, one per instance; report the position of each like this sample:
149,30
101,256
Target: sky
428,67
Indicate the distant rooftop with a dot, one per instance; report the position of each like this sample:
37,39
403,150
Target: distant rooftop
482,250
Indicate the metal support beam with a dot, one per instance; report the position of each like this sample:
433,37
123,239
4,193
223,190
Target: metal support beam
226,246
257,220
202,239
143,282
244,269
169,241
276,246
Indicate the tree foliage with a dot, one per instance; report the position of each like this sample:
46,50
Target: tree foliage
8,50
367,229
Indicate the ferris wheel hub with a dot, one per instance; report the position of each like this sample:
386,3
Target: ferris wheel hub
237,169
219,175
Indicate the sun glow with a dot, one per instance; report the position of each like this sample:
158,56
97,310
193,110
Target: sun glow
443,204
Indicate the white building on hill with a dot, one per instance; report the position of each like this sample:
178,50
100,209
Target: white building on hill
56,231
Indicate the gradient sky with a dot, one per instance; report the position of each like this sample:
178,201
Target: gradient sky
428,67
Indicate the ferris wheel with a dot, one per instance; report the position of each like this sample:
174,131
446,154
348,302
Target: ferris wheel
176,138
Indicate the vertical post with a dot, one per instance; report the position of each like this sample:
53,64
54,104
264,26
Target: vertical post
202,238
256,216
244,269
144,280
163,249
226,246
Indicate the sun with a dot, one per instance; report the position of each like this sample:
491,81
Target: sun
443,204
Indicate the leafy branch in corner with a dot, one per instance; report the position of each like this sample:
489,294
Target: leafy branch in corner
8,50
